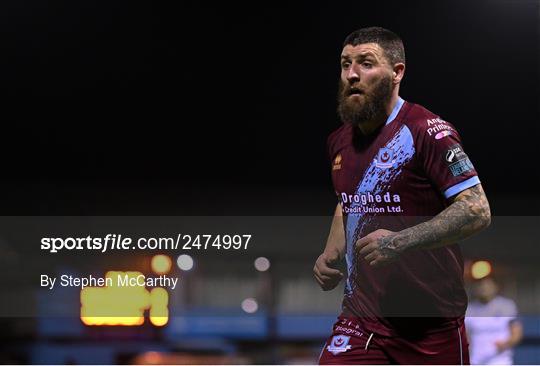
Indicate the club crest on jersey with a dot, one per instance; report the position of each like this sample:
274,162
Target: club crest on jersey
339,344
385,158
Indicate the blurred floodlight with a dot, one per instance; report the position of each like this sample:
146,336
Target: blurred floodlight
262,264
161,264
123,304
250,305
185,262
480,269
159,312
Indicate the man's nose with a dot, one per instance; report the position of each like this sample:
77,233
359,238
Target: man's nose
352,75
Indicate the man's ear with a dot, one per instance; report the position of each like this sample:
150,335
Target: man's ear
398,73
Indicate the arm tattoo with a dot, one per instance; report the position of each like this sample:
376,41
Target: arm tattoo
468,214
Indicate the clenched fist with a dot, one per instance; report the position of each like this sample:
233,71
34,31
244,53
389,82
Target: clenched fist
326,276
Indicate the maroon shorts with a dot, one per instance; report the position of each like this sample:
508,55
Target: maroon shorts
349,344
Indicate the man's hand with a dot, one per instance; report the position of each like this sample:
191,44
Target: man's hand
501,346
326,276
377,247
516,335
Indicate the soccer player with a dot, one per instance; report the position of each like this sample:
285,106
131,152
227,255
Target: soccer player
492,325
407,193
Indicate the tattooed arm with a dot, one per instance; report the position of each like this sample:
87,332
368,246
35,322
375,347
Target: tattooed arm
468,214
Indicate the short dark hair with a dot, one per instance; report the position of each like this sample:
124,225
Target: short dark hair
390,42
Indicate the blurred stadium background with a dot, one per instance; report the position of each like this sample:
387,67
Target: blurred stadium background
256,306
122,108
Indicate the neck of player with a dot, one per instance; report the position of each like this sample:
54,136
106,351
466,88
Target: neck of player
369,127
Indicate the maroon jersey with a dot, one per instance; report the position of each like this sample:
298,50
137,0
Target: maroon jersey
401,175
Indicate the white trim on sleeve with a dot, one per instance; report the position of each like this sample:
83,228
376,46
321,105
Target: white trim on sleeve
455,189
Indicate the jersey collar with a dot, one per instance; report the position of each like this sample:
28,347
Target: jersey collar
395,111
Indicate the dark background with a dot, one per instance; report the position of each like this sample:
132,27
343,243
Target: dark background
188,108
127,107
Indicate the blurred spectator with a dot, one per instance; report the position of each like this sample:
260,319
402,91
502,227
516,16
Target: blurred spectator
492,325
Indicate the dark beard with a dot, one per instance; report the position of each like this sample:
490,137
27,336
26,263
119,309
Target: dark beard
372,108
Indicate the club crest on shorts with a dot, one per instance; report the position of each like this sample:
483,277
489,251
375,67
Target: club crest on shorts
385,158
339,343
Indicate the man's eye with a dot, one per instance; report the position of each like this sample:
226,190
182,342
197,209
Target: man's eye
345,65
367,64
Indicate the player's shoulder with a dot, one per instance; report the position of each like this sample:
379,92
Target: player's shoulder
426,125
474,308
504,302
339,138
423,122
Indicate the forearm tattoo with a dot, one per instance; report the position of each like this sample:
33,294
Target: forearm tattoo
468,214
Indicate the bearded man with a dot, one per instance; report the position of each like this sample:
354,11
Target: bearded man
407,193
